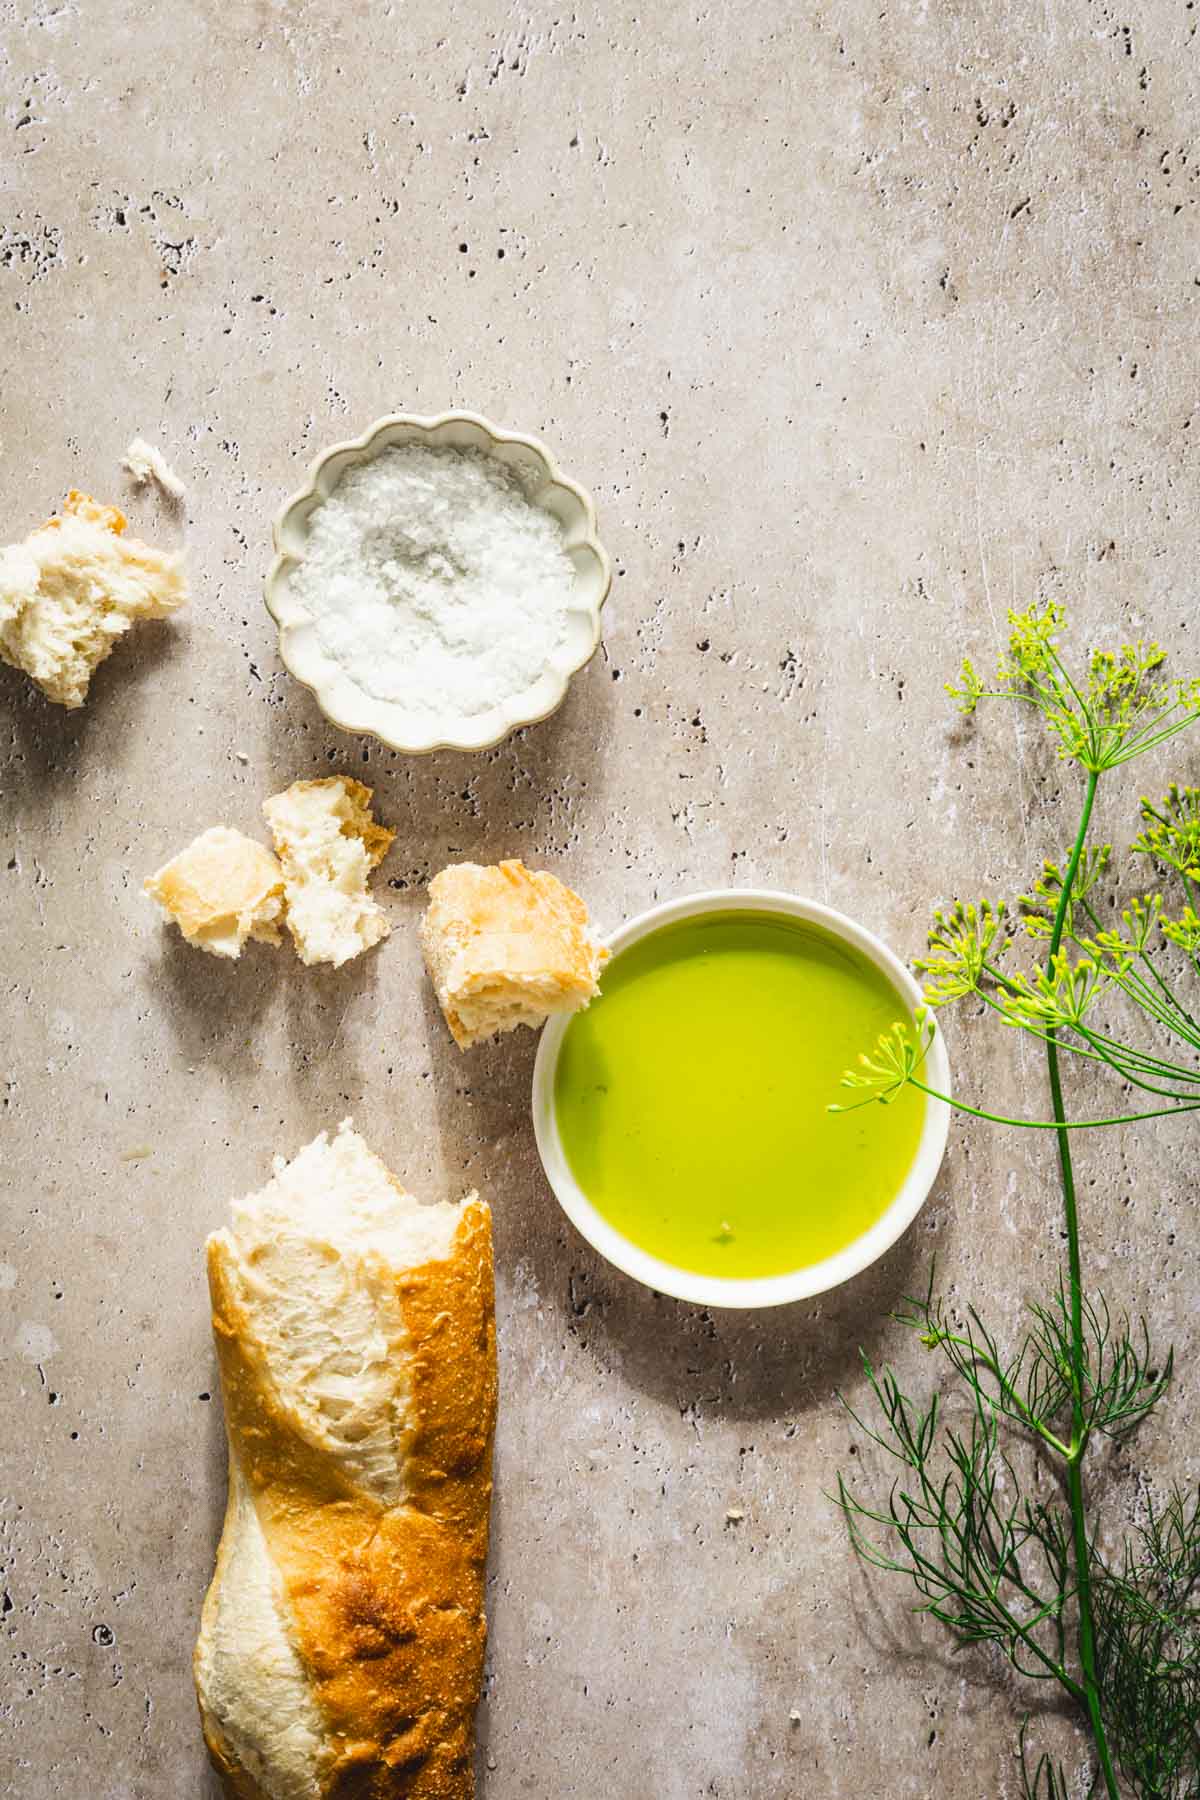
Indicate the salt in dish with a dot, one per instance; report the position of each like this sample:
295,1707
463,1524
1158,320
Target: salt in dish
453,666
434,581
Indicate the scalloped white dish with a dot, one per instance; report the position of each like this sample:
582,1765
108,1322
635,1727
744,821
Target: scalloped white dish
348,705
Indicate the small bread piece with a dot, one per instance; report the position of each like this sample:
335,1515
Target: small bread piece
221,890
73,588
328,843
342,1639
143,463
505,947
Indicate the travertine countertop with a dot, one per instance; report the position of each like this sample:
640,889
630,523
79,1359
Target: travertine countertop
861,323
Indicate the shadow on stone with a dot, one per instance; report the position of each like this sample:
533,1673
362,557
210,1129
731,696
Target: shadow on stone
215,1007
526,797
770,1365
52,745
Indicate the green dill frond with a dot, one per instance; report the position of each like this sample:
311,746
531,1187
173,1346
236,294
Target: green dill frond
1046,1780
1058,997
1120,710
899,1053
965,941
972,690
992,1554
1172,834
1040,907
1121,1379
991,1514
990,1559
1148,1640
1184,931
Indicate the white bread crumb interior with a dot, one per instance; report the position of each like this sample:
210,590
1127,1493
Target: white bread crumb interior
328,844
315,1251
144,463
72,588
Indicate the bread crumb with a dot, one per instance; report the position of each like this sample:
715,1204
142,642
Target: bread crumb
144,463
328,842
734,1515
137,1153
71,589
241,756
795,1717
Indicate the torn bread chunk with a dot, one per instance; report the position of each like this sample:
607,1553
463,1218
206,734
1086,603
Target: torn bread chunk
328,843
221,890
71,589
506,947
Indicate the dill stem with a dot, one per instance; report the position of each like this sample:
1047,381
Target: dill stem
1081,1549
1056,1125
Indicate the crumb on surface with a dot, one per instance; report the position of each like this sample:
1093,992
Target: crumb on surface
144,463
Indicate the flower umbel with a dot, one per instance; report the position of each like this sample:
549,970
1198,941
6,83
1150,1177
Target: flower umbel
1184,931
1172,834
1059,996
1040,907
1121,710
898,1054
963,942
1120,948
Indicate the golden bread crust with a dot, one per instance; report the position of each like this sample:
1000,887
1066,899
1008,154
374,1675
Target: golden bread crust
507,933
361,823
222,889
75,586
384,1603
82,506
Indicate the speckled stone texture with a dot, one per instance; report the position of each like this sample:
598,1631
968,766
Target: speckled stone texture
862,322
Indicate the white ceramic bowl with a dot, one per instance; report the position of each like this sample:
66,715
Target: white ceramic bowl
347,705
773,1290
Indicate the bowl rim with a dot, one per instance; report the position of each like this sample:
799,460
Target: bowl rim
365,447
752,1291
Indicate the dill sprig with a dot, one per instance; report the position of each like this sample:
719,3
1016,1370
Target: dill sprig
989,1515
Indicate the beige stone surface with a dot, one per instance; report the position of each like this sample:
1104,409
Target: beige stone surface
861,322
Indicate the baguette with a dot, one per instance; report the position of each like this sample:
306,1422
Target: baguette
340,1654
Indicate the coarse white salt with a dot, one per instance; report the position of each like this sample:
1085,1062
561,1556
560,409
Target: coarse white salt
435,582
